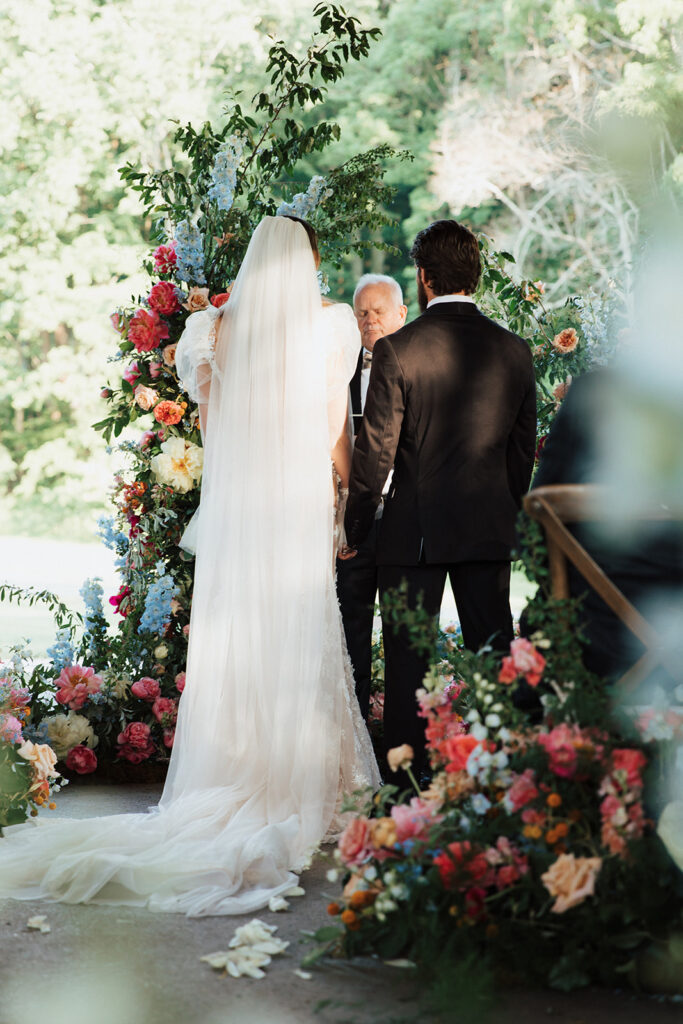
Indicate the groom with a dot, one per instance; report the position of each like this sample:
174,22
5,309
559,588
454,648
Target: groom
452,406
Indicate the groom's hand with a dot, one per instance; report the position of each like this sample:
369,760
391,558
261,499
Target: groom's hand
346,553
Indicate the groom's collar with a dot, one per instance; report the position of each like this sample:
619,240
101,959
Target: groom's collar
450,298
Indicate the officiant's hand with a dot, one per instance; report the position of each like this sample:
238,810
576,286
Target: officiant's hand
346,553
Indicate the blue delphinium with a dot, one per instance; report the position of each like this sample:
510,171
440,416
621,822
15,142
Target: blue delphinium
304,203
91,592
157,613
112,538
189,253
62,651
224,172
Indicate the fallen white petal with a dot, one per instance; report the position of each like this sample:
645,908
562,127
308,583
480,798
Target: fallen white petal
216,960
296,891
303,974
399,963
39,923
277,903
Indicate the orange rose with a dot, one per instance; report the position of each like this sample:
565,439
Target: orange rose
168,413
168,355
566,340
400,757
571,880
383,832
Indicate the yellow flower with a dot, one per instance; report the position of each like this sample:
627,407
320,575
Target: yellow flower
400,757
179,465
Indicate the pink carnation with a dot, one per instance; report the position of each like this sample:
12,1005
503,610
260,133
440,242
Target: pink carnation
162,298
147,330
146,688
165,258
75,685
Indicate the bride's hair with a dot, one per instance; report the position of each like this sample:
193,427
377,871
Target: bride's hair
310,231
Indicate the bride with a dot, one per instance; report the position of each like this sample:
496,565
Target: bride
269,734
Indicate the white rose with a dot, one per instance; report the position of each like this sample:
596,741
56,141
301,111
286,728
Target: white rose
67,731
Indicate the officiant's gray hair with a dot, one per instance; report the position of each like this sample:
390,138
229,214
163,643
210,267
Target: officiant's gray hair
390,282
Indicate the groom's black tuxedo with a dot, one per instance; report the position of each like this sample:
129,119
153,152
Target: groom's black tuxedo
452,406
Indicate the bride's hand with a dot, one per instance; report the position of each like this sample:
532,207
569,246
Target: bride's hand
346,553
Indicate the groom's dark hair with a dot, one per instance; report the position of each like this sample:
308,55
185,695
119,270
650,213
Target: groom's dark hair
448,253
310,231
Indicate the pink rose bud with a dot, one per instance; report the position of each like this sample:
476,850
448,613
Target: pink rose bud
105,393
154,370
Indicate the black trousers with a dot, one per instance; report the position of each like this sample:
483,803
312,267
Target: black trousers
356,590
482,597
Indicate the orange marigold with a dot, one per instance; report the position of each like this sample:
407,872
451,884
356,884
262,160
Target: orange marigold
551,836
351,920
561,829
553,800
532,831
333,909
362,898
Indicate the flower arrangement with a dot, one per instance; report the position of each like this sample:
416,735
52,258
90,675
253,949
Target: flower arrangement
28,776
533,852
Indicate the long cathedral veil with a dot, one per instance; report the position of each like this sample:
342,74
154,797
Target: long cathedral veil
268,733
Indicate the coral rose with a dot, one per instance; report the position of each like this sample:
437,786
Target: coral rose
400,757
566,340
527,660
571,880
146,688
162,298
146,330
197,298
169,413
220,300
354,842
458,749
144,397
81,760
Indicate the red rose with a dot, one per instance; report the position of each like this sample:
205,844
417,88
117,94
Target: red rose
220,300
146,330
81,759
475,907
162,298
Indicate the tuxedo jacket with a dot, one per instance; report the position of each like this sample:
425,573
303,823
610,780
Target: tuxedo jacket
452,406
355,396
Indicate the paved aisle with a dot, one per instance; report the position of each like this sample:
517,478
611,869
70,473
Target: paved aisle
111,965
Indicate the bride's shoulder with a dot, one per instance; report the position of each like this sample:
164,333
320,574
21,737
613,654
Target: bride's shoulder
338,312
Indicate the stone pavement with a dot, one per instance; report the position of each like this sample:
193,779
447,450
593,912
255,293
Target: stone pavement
117,965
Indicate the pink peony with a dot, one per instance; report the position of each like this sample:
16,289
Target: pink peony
165,258
162,298
560,745
10,729
135,743
147,330
118,322
132,373
81,759
75,685
165,711
146,688
354,843
180,682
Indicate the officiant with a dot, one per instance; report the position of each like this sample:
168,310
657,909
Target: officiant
379,308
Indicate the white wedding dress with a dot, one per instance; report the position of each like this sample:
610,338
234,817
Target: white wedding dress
269,735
